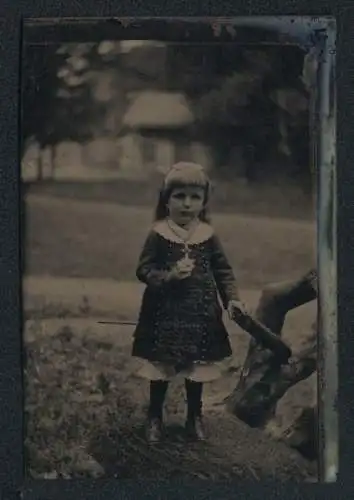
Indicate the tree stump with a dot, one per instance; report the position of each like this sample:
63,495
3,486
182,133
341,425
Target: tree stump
264,381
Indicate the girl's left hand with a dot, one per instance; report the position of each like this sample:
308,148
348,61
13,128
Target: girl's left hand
235,304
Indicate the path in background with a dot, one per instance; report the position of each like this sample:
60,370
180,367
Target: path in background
47,296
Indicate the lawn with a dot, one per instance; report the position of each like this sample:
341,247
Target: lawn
85,412
85,408
70,238
283,199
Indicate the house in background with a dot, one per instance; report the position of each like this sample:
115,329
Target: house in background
157,132
141,64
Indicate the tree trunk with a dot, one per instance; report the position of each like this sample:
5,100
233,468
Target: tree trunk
40,164
52,155
263,381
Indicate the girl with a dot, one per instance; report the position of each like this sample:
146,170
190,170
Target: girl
180,328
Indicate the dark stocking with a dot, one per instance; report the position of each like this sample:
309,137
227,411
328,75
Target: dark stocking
158,389
194,398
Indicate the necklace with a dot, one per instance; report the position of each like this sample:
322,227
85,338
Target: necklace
184,239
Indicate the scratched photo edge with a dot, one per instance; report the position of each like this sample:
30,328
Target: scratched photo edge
325,166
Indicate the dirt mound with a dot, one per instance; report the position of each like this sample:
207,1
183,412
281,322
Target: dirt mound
85,411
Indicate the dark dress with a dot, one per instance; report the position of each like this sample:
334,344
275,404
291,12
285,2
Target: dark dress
180,321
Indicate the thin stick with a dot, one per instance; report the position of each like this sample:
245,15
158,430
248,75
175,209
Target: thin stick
132,323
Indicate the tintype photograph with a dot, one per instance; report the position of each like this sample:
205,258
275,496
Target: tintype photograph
170,207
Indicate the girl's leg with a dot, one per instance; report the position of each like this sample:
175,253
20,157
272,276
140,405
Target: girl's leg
158,389
194,424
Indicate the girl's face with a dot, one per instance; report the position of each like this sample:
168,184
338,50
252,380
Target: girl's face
185,204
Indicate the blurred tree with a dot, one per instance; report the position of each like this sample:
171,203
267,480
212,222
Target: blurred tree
79,91
53,99
234,93
39,87
242,96
232,114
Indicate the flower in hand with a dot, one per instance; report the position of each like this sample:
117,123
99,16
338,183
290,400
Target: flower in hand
235,306
182,269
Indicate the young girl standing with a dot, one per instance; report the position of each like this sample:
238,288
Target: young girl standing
180,328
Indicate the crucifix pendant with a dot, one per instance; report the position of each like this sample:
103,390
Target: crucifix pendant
186,257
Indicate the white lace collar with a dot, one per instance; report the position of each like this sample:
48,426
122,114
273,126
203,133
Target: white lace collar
202,233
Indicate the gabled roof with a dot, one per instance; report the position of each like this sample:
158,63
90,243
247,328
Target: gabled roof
154,109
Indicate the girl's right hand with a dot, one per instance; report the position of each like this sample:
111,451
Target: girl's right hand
182,270
178,274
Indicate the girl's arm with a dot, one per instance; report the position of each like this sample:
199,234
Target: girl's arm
148,270
223,274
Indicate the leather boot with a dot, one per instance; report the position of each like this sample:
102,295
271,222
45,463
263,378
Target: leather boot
194,422
154,427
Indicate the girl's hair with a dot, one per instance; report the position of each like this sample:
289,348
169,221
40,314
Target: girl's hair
183,175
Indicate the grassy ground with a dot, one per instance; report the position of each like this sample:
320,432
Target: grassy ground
281,199
85,408
85,412
102,240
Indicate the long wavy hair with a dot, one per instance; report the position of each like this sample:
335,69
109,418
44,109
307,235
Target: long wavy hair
161,211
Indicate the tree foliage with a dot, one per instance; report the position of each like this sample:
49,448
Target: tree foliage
78,91
234,94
